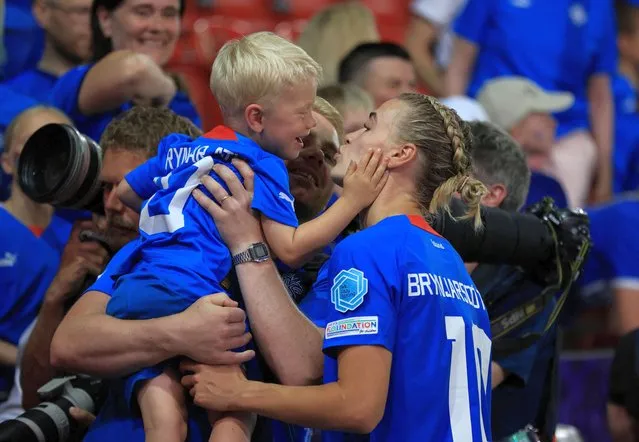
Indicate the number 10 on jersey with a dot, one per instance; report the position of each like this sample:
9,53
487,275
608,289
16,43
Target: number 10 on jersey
461,420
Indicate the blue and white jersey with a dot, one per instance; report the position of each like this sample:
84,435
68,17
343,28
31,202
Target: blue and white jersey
612,262
179,241
400,285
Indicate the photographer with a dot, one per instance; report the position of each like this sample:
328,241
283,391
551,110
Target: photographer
522,382
28,261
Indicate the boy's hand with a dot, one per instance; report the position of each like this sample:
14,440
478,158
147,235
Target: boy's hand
364,181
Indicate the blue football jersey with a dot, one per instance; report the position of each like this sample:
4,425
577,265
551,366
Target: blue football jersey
612,262
400,285
178,238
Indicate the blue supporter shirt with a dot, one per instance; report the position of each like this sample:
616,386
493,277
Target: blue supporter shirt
626,135
178,238
541,186
612,262
400,285
65,95
27,267
34,83
578,41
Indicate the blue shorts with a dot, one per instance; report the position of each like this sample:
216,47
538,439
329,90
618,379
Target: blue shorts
146,297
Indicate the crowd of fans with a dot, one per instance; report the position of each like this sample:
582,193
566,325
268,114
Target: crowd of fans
534,98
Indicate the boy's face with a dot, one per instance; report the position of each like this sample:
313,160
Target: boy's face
288,120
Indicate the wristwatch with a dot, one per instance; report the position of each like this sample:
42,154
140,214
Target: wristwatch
257,252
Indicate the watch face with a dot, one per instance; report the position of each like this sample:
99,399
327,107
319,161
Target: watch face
259,251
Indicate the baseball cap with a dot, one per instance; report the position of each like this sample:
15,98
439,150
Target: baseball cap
508,100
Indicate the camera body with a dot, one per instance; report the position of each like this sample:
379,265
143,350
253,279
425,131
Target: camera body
60,166
50,421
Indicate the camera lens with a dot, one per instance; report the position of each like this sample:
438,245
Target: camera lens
60,166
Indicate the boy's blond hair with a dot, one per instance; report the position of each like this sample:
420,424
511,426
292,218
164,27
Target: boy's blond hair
255,68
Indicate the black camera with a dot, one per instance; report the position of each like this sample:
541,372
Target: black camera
50,421
60,166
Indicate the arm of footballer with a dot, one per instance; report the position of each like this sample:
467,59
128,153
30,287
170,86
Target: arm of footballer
89,341
498,375
355,403
296,246
128,196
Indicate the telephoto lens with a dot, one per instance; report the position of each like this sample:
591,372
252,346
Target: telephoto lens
60,166
50,421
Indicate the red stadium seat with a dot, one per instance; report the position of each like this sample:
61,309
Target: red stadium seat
245,9
291,29
389,11
300,8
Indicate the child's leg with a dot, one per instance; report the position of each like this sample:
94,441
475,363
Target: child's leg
163,408
231,427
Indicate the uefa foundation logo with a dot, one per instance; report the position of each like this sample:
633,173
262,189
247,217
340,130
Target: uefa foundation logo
349,288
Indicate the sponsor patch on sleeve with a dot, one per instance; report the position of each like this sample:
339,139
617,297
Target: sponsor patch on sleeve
360,325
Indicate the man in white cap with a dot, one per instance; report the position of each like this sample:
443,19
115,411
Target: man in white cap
524,110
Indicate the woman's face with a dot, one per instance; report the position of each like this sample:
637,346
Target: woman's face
149,27
376,134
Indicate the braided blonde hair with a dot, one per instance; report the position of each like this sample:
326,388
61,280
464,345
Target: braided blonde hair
444,141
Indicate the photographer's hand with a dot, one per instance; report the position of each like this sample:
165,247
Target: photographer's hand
78,260
82,417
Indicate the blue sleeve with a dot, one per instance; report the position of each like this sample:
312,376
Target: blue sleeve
66,92
181,105
105,282
316,304
606,56
471,22
142,178
271,195
624,250
362,311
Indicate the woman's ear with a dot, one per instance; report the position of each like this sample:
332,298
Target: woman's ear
401,154
105,20
254,116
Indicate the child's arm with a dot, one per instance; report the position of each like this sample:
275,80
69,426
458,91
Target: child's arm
233,427
362,184
128,196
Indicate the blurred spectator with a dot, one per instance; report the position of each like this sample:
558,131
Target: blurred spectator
67,44
384,70
11,105
132,42
625,81
334,31
612,268
524,110
352,102
429,39
23,40
523,381
575,53
27,263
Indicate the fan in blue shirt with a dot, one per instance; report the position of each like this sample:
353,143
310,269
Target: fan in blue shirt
407,332
180,256
128,65
626,153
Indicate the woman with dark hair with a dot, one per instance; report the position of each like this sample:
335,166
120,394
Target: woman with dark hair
132,41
